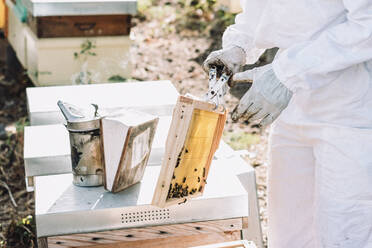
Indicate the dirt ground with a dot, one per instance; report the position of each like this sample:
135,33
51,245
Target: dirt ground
165,49
15,203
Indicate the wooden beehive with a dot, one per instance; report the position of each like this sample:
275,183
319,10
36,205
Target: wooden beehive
77,60
193,138
79,26
70,60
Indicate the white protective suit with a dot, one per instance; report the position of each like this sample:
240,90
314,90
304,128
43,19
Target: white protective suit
320,174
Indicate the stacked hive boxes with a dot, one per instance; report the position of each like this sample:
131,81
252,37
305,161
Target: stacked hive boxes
72,42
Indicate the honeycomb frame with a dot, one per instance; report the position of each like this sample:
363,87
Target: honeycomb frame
183,176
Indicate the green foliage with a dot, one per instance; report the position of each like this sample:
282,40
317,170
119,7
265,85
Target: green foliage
225,18
160,12
195,14
192,5
203,15
21,233
143,6
151,9
86,49
241,140
21,123
116,79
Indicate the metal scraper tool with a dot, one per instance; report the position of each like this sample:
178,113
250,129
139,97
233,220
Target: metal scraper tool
217,88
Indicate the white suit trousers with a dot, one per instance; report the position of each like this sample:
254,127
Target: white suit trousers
320,186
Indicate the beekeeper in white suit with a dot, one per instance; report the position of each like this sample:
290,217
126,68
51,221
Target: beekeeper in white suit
318,92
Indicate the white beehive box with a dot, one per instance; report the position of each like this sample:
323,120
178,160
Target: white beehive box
16,34
153,97
66,61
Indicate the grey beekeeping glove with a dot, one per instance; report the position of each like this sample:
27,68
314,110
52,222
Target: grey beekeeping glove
265,100
228,59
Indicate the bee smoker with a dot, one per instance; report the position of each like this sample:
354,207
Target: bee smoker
86,152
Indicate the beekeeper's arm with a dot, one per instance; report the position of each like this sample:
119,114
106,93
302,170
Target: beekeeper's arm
315,63
238,42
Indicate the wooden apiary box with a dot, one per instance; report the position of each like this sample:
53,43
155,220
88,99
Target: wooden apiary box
126,140
66,61
79,26
193,138
16,34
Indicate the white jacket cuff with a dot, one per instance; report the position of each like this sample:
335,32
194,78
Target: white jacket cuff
290,82
233,37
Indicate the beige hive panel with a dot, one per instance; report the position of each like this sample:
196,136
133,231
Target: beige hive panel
59,61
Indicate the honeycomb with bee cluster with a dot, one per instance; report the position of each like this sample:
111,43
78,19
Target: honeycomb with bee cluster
189,174
193,138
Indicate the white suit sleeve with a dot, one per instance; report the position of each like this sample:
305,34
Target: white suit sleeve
315,63
241,33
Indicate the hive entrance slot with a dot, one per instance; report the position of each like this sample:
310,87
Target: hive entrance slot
145,216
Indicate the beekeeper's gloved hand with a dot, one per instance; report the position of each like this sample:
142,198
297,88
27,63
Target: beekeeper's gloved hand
265,100
228,60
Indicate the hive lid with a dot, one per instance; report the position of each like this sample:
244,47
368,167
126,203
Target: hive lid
80,7
43,109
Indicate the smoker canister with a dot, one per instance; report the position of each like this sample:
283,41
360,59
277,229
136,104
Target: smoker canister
83,126
86,153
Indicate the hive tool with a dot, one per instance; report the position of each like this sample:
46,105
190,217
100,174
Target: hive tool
217,88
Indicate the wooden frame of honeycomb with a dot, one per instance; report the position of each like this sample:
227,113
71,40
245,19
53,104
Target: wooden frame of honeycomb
193,138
